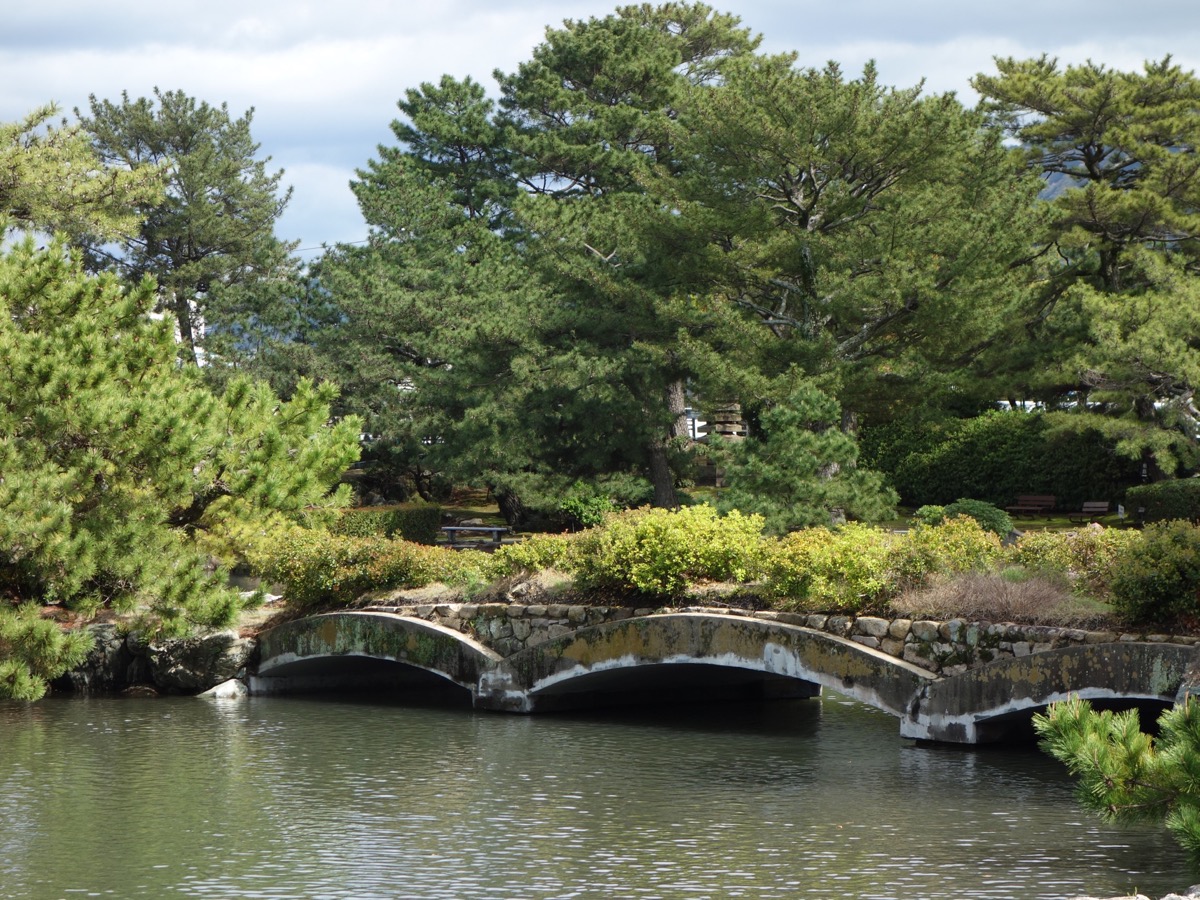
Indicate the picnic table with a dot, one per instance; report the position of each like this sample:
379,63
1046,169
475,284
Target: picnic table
493,533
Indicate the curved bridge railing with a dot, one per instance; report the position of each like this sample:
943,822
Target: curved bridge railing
694,656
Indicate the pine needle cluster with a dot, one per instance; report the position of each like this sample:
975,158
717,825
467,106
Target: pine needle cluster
1125,774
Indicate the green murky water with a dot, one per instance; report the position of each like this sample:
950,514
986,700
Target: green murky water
323,798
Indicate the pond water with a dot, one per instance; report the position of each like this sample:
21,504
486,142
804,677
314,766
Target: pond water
365,798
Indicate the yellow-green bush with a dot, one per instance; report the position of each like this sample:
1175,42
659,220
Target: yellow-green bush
958,545
536,552
317,568
846,570
658,552
1085,558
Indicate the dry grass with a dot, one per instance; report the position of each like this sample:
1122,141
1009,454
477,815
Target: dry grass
993,597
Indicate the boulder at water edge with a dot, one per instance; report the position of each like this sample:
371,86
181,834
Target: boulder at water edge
196,664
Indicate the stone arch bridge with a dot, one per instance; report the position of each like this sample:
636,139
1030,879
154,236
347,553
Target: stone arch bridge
961,692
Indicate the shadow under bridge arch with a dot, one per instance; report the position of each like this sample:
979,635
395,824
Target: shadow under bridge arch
695,656
996,702
360,650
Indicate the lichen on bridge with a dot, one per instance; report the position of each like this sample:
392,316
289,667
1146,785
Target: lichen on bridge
616,656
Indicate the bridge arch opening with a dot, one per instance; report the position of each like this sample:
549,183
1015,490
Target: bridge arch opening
1016,727
355,674
661,683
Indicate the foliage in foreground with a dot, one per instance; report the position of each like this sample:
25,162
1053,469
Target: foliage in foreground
318,569
838,571
1125,774
1086,559
1150,577
115,459
33,651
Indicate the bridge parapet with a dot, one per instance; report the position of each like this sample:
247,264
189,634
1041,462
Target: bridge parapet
622,657
949,681
945,648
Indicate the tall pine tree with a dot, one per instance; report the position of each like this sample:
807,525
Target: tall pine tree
215,227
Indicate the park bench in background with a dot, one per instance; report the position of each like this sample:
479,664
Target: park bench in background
1032,505
1092,510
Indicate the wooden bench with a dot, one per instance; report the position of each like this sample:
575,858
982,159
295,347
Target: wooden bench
1092,510
1032,505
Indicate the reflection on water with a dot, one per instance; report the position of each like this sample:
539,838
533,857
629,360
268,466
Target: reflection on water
296,798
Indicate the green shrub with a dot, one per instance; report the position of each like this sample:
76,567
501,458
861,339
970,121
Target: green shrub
316,568
657,552
1163,500
586,505
844,571
536,552
988,516
1086,558
417,522
1157,579
931,514
956,546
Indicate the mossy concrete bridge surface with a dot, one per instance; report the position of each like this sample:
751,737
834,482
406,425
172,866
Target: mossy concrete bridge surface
952,682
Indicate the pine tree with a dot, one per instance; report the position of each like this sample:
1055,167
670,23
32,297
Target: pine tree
51,180
869,232
113,458
799,466
34,651
215,226
1126,775
1120,299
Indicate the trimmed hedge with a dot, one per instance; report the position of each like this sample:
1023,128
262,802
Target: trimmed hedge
996,457
1165,500
988,516
417,522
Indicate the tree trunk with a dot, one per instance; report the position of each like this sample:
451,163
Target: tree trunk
511,508
662,477
183,321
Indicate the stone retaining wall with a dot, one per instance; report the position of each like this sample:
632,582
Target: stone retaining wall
945,648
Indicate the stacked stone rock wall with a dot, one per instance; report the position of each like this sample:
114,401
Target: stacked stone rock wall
944,648
509,628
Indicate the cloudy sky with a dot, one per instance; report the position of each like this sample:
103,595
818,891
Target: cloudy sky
324,77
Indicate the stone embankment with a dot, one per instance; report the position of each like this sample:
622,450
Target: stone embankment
121,661
944,648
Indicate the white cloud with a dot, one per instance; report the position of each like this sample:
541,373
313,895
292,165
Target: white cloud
324,78
323,209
